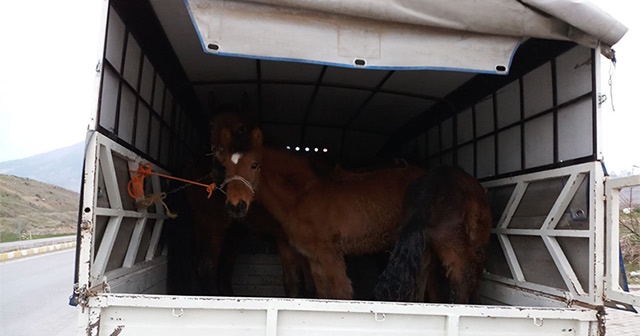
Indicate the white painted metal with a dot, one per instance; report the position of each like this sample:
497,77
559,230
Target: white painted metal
613,291
549,234
105,149
126,213
543,233
106,247
168,315
565,268
514,265
512,206
134,243
159,224
130,277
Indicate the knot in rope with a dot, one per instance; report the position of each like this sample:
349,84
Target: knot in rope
135,187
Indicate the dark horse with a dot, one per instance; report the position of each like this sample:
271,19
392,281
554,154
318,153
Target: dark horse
218,237
323,218
442,243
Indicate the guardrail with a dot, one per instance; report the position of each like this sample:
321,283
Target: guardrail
24,248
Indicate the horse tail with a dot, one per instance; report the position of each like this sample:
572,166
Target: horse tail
400,279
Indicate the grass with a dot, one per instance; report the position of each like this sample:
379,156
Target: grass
29,208
8,237
630,243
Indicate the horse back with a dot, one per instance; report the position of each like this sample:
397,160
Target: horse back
452,201
370,208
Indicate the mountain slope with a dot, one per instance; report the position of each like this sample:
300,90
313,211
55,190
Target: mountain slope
61,167
30,207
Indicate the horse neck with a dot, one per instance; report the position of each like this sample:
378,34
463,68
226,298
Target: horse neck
284,178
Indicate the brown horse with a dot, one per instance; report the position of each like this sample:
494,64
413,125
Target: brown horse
218,236
442,243
324,218
218,239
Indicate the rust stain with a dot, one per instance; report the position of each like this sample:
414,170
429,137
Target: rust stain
94,326
117,330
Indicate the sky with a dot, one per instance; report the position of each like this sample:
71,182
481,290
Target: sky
48,57
50,51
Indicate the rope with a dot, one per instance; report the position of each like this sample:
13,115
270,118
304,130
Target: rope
136,184
149,200
612,68
135,187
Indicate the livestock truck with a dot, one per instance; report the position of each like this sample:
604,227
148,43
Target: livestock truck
508,90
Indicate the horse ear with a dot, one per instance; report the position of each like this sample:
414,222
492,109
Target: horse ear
256,138
225,138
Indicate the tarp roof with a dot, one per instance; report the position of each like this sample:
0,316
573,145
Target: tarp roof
464,35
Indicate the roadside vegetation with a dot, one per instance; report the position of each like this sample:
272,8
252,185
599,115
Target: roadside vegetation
630,243
30,209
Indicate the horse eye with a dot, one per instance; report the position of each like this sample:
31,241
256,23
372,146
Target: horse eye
254,165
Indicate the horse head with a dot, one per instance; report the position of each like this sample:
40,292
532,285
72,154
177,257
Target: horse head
241,160
237,117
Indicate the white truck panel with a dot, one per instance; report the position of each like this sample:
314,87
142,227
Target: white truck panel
169,315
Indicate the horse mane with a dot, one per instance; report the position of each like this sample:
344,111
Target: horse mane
316,170
298,169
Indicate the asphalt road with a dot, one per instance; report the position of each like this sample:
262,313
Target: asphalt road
34,295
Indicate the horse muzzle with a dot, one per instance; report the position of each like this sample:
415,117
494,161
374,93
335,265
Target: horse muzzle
238,210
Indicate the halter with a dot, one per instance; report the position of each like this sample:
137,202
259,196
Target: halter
241,179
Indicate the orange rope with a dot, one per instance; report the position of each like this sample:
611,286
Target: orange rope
136,184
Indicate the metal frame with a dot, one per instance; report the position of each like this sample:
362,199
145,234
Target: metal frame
449,154
548,233
93,259
165,107
612,288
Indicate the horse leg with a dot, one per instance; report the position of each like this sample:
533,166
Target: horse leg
309,286
206,269
319,278
291,271
329,273
437,290
405,277
227,261
463,256
209,249
460,268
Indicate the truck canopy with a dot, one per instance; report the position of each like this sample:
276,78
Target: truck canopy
507,90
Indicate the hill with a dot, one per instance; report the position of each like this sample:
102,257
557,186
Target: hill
29,207
61,167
